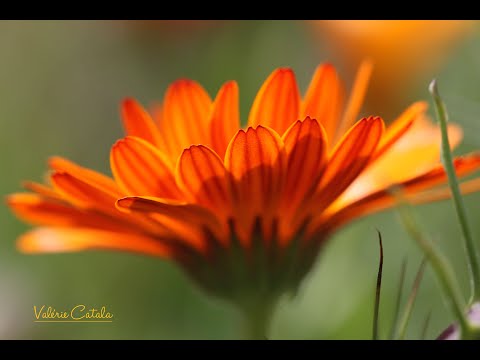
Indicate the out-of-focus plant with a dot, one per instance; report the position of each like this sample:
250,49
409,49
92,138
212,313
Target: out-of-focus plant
467,314
405,52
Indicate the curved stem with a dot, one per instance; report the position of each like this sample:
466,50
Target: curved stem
470,245
440,265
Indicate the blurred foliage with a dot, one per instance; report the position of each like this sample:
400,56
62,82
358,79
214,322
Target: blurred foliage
61,85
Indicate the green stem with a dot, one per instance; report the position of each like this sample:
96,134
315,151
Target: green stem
410,303
257,321
470,246
441,267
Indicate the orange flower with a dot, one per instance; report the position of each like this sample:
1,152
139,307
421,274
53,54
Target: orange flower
244,212
405,52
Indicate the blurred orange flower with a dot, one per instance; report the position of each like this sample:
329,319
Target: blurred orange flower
243,211
405,52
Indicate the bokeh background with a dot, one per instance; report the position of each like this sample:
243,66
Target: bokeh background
60,86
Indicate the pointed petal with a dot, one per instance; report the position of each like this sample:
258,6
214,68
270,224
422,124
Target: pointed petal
225,117
41,189
277,104
202,176
349,159
400,126
141,169
156,109
89,176
52,240
84,194
38,210
188,220
417,190
443,193
256,163
324,99
137,122
413,154
306,148
357,95
185,119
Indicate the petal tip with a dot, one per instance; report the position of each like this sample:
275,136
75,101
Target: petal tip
182,83
124,203
128,101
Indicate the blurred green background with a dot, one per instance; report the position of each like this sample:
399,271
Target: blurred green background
61,83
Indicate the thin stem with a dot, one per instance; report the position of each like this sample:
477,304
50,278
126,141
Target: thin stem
473,260
441,267
393,330
378,288
423,334
411,302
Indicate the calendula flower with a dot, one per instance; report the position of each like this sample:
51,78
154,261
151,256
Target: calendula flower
405,52
243,211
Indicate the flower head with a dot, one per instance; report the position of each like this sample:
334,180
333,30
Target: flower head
243,211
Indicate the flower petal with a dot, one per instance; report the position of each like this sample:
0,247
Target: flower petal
400,126
185,119
225,117
357,95
41,190
141,169
137,122
202,176
256,163
84,194
89,176
306,148
38,210
413,154
324,99
417,190
277,104
188,220
348,160
52,240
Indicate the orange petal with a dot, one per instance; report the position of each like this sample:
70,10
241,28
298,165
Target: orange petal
256,162
41,189
200,172
400,126
277,104
52,240
94,178
444,193
185,119
413,154
141,169
156,109
416,190
349,159
357,95
190,221
225,117
137,122
90,196
306,148
83,194
38,210
324,98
